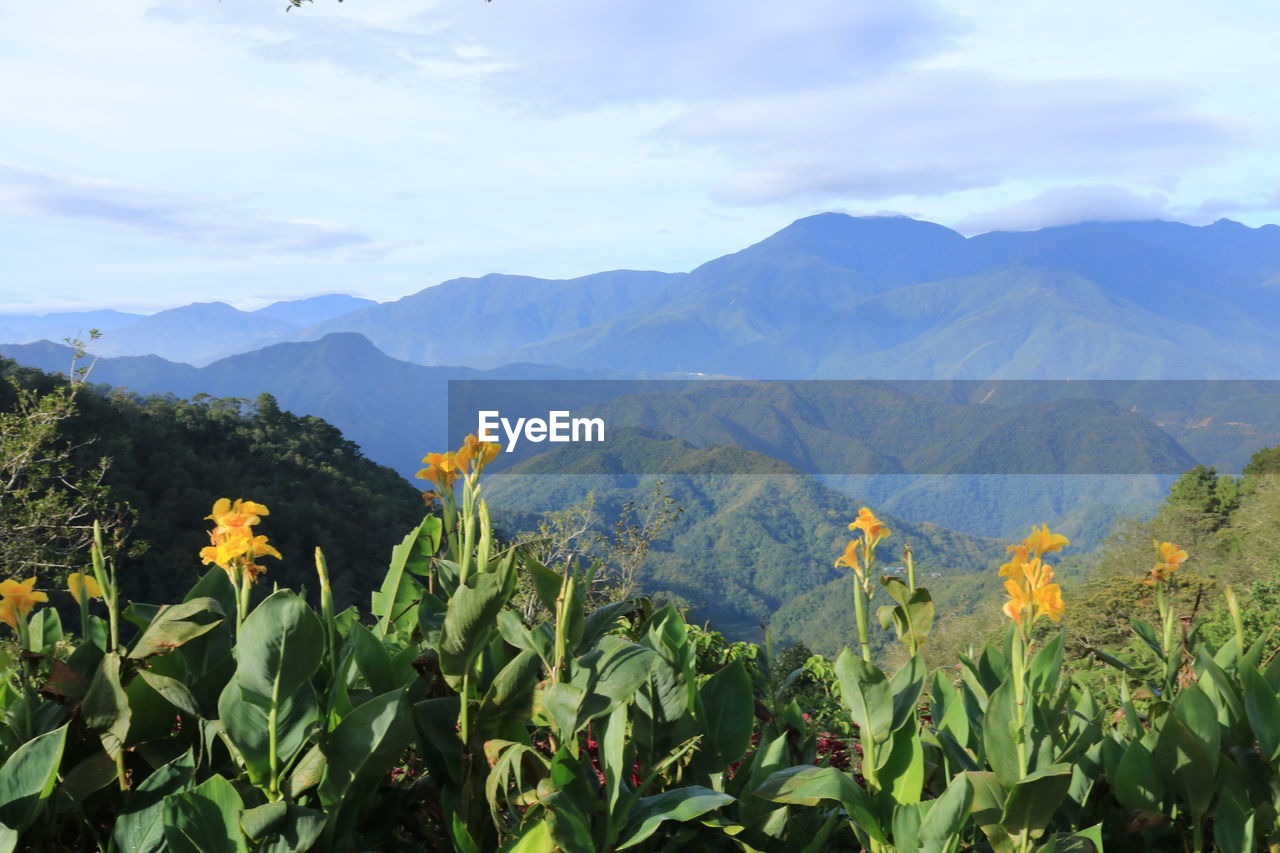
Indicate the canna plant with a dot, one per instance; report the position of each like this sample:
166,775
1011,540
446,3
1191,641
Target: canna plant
447,717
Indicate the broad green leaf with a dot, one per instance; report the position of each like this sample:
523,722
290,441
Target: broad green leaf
205,819
174,625
947,814
177,693
680,804
1137,780
393,604
106,707
906,686
1033,800
535,840
250,726
809,785
901,769
372,660
866,694
1046,666
510,695
281,827
139,828
998,737
281,645
1233,825
360,752
470,622
988,809
1263,709
28,777
729,708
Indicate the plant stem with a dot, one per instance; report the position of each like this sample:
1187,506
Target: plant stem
860,613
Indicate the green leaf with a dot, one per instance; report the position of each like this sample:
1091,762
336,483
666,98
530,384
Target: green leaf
988,809
1262,707
281,645
510,694
249,727
177,693
1137,780
866,694
174,625
106,707
728,706
809,785
470,622
1046,666
28,777
947,815
359,753
998,737
372,659
1033,800
902,765
546,583
906,686
1233,824
283,827
139,827
393,604
535,840
680,804
205,819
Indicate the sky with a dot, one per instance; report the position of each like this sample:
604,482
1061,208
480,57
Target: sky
158,152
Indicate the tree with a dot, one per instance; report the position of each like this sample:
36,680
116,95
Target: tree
48,503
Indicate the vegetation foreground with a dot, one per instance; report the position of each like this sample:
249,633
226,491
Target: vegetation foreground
490,702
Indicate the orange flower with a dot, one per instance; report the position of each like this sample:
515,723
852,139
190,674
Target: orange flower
1019,601
83,586
1021,556
1169,557
872,530
234,547
477,451
22,595
8,615
849,559
242,513
1029,580
1048,599
442,469
1042,542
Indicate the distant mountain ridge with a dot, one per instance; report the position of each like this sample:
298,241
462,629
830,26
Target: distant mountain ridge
829,296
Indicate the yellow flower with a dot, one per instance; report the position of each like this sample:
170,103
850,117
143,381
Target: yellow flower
242,513
442,469
83,586
477,451
1168,558
1021,556
1048,600
8,615
233,545
849,559
22,595
1029,580
1041,541
1019,601
872,530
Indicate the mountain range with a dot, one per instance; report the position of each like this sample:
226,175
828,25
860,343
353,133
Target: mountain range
829,296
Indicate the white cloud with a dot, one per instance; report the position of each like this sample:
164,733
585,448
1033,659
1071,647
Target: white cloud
1067,206
24,190
931,133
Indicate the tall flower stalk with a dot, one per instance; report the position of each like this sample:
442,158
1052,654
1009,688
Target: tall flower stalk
860,556
1032,596
1168,558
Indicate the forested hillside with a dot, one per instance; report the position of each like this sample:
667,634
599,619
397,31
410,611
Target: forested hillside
170,459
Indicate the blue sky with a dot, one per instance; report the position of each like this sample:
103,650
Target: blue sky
157,152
